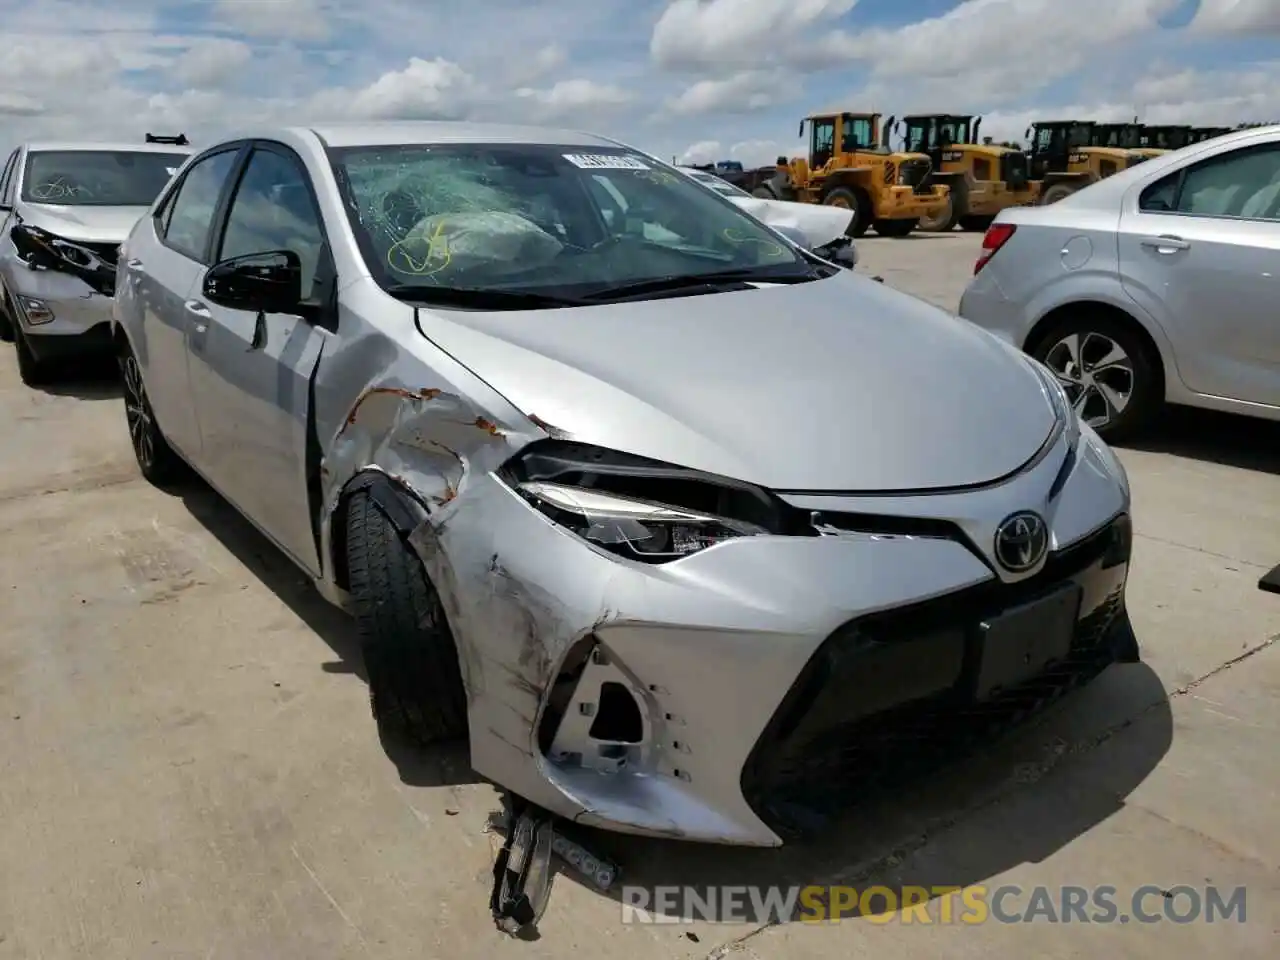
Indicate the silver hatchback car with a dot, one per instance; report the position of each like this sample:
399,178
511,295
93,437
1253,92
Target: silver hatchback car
65,208
1157,284
682,525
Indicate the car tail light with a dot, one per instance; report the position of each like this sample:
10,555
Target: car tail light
997,236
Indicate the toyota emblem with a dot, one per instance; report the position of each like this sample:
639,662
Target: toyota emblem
1021,541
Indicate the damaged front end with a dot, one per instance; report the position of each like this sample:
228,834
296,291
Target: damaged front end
93,263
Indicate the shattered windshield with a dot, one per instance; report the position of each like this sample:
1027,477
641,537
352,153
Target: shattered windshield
551,219
99,178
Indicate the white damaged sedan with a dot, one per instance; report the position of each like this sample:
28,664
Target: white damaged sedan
679,524
822,229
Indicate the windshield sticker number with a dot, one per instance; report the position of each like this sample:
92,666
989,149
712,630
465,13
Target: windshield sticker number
604,161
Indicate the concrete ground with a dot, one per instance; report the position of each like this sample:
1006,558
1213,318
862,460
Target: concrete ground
188,768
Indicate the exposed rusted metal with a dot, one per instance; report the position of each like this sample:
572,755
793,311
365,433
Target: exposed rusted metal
430,393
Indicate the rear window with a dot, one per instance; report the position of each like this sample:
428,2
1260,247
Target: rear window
100,178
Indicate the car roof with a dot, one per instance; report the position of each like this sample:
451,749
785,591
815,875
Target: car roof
396,132
40,146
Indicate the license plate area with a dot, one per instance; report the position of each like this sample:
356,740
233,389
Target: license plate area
1021,642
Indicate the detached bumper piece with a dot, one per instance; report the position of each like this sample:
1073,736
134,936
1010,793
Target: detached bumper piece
522,870
894,695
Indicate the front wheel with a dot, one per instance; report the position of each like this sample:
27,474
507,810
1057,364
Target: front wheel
415,684
33,371
943,221
157,461
6,317
1109,373
895,228
847,198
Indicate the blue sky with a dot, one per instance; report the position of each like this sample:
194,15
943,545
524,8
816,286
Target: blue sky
705,79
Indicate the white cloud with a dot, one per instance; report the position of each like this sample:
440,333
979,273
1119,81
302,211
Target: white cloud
750,153
745,92
211,61
278,19
734,33
571,98
1237,16
424,90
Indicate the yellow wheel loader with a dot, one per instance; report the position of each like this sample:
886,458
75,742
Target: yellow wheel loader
1063,159
850,166
983,178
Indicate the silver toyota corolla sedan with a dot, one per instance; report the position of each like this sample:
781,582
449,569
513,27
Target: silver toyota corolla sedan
1158,284
671,518
64,210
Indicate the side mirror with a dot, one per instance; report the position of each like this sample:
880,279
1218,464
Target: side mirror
259,282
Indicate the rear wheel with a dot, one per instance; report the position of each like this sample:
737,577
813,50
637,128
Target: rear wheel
849,198
895,228
976,224
1109,371
1057,192
157,461
415,685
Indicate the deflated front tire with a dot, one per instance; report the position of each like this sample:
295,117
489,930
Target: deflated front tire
415,685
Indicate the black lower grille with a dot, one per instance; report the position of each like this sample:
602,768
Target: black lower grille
890,697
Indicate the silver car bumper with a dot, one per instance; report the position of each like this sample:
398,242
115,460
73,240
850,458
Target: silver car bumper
54,304
697,699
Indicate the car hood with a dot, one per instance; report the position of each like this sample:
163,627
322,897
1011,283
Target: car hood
819,224
839,384
89,224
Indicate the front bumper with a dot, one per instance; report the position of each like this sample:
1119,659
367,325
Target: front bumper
76,308
689,699
903,203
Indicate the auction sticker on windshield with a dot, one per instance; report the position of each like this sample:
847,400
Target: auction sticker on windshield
604,161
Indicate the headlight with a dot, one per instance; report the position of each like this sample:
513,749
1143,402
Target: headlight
642,509
41,249
636,529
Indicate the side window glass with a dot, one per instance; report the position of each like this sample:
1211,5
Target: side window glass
1244,183
8,175
273,210
190,213
1160,196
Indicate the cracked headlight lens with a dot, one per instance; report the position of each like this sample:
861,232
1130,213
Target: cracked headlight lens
631,528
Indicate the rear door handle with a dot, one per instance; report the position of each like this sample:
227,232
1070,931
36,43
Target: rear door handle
134,264
1166,244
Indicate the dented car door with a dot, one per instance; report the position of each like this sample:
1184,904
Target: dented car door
251,370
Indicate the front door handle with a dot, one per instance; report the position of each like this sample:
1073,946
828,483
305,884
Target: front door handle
201,326
1165,245
133,264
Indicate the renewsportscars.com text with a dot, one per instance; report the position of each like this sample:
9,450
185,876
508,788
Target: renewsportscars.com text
977,904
